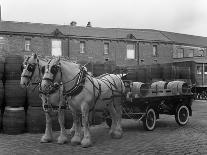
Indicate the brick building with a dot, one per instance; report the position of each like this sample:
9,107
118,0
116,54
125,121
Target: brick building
123,47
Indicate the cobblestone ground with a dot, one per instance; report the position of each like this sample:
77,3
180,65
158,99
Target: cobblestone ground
167,138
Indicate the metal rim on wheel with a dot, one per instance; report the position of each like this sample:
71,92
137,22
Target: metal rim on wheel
150,119
182,115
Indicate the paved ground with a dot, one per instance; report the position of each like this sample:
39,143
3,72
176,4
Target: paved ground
167,138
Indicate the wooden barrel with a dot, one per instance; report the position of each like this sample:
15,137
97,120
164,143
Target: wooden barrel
15,96
33,98
178,87
139,89
14,120
35,120
159,86
1,93
13,67
1,118
68,119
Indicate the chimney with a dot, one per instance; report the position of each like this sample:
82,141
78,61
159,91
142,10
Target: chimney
89,24
73,23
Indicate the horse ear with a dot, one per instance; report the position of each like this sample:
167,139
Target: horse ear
35,56
25,57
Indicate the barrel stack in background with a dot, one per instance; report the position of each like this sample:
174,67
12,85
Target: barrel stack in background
15,97
35,115
2,62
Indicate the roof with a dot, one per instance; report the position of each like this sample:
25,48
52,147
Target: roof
186,39
109,33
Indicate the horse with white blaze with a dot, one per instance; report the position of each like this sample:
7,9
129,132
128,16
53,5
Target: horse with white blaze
31,75
84,93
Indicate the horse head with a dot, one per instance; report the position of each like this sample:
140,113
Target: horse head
30,70
51,74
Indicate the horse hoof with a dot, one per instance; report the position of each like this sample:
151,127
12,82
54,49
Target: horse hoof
45,139
62,140
76,140
86,142
116,135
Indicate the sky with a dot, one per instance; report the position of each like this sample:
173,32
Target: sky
181,16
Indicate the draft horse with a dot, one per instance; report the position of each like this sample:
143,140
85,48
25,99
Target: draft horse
31,75
84,93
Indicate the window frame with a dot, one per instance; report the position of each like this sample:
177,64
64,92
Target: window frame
197,54
200,71
155,52
82,49
106,53
27,44
129,50
178,52
52,47
192,50
205,70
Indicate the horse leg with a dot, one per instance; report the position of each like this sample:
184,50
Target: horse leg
47,137
113,117
118,108
76,139
72,129
86,141
61,118
115,130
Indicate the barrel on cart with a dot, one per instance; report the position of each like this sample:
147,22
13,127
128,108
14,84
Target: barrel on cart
171,98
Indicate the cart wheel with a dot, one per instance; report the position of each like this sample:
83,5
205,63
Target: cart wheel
149,120
182,115
109,122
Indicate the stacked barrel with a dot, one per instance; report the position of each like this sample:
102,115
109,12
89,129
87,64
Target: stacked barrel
2,61
35,114
15,97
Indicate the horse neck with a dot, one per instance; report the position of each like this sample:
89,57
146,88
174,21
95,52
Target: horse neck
69,71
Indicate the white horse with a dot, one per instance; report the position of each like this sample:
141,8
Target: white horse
84,93
32,74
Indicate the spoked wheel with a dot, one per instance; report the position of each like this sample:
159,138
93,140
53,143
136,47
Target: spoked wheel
149,120
182,115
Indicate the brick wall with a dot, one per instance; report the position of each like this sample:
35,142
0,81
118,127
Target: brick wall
164,53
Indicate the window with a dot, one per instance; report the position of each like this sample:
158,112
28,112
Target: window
180,53
154,51
205,70
199,69
56,47
130,51
106,48
82,47
190,53
2,42
199,53
27,44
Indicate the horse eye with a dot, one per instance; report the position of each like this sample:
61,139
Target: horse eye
30,68
54,70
